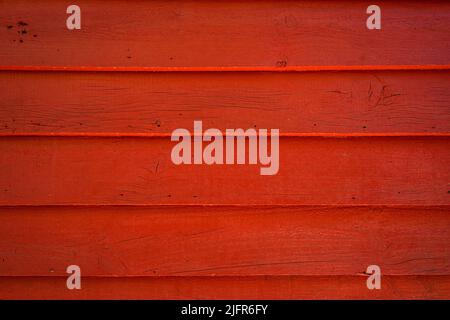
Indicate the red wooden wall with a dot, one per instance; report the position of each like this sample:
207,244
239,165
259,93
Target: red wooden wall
86,176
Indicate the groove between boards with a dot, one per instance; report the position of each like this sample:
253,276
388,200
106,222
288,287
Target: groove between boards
262,206
226,277
227,69
168,135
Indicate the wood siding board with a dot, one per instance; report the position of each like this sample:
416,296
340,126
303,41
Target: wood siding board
248,34
223,241
412,102
241,288
379,170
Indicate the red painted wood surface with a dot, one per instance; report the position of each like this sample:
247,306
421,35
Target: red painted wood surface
325,102
286,287
46,170
225,34
224,241
85,170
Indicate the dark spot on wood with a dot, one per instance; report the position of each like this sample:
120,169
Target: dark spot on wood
281,63
364,127
169,195
121,194
24,32
9,27
353,198
158,123
21,41
290,21
22,24
34,35
129,57
338,92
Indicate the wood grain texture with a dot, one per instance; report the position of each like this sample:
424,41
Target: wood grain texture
402,171
364,155
223,241
241,288
326,102
224,34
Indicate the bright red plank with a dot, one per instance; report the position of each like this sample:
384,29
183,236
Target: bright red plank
326,102
140,171
238,241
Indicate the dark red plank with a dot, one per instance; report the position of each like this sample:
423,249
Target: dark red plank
290,287
255,34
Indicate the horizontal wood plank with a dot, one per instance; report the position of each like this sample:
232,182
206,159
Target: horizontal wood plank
327,102
278,34
397,171
289,287
223,241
